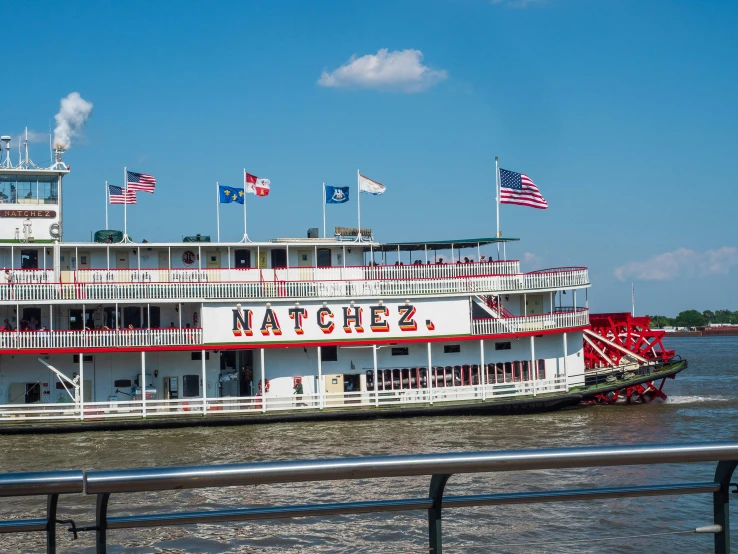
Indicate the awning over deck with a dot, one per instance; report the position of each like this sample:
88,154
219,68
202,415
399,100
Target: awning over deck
435,245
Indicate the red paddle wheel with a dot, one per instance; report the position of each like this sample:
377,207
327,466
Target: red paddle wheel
621,341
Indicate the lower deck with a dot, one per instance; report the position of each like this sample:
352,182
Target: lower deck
104,385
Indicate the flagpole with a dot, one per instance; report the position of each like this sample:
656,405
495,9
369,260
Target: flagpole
106,206
632,300
324,209
125,204
358,202
245,194
217,208
497,199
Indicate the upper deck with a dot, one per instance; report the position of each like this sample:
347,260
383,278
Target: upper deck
299,269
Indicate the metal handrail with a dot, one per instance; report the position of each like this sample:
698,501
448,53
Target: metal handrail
152,479
48,483
439,466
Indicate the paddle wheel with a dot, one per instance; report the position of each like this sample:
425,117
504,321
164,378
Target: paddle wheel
622,343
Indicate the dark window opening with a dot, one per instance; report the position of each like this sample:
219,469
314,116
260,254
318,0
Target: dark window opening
400,351
279,258
85,358
197,356
451,348
243,259
132,316
228,360
32,317
155,312
33,393
190,386
324,257
329,354
503,346
29,259
109,318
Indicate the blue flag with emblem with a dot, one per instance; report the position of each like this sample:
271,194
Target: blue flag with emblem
336,195
230,194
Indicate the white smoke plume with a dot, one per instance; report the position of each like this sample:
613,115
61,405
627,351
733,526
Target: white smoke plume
71,119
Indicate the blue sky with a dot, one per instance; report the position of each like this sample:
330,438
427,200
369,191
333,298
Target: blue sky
623,112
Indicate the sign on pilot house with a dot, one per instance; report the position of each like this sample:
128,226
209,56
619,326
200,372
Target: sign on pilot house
251,323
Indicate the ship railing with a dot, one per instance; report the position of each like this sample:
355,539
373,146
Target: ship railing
522,324
332,273
106,291
122,338
32,276
117,408
439,467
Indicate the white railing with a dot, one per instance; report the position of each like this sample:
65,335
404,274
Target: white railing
296,288
31,276
558,320
351,273
213,407
124,338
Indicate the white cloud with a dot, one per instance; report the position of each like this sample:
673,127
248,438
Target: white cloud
400,70
683,261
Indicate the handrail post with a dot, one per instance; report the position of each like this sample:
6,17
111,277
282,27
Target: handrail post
101,523
51,503
435,533
720,505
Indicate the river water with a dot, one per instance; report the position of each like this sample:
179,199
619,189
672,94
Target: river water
702,405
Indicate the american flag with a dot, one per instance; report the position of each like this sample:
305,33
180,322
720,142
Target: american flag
140,181
120,196
517,188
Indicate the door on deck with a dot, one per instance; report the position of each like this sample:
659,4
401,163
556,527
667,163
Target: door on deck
334,384
163,266
75,320
305,263
213,259
324,257
535,304
279,258
246,373
84,260
121,259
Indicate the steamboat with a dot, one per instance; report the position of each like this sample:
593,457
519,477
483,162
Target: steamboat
114,334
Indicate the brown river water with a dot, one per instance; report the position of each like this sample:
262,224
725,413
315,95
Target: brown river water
702,405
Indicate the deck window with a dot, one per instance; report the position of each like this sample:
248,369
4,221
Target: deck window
29,259
329,354
190,386
324,257
503,346
243,259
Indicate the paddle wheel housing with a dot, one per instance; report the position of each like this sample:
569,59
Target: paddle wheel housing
620,340
613,337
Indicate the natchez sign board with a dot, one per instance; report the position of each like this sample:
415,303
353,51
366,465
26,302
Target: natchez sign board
260,322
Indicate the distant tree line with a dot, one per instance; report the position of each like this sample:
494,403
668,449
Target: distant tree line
693,318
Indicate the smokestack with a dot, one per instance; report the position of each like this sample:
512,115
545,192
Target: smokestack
70,120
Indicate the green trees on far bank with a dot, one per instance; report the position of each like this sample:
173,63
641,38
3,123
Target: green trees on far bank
693,318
